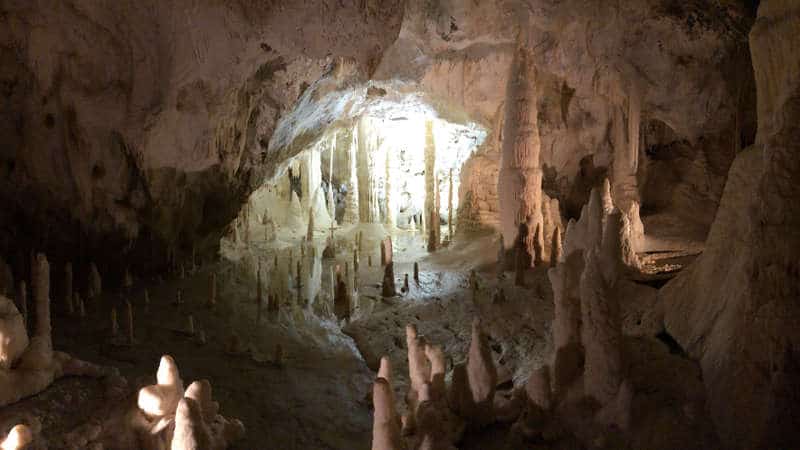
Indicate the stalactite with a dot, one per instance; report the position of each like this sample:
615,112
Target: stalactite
331,198
350,172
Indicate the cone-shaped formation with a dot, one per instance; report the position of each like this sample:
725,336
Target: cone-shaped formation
95,282
555,247
197,422
416,272
388,287
538,250
386,251
481,378
405,288
419,369
522,256
341,301
385,426
18,438
162,398
601,335
437,362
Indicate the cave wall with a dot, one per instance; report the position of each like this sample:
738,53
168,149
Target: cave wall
735,309
146,118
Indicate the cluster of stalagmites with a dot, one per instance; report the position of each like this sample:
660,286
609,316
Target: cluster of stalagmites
587,366
178,419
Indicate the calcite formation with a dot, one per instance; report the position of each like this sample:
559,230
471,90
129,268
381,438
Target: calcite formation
30,365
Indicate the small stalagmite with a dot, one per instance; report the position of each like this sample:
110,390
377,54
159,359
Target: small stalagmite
419,371
161,399
433,232
406,288
190,328
388,288
538,251
435,356
341,301
481,378
191,432
114,323
386,251
68,289
129,321
369,260
212,294
537,390
79,306
41,297
95,282
416,272
555,247
385,428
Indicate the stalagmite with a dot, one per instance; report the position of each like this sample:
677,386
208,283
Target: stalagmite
519,186
565,279
40,274
601,335
369,260
79,306
419,371
618,411
416,272
450,206
162,398
555,247
114,323
14,335
385,428
18,438
481,378
190,328
68,289
405,284
212,294
388,286
436,358
129,321
341,301
191,432
433,240
95,282
22,301
386,251
538,393
310,230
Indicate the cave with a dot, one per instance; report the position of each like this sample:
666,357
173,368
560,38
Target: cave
399,224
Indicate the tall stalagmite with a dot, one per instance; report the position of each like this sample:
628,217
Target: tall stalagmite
520,180
431,212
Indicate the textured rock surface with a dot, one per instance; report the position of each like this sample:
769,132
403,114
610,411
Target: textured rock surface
736,308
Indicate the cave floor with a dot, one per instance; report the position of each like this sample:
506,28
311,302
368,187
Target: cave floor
318,397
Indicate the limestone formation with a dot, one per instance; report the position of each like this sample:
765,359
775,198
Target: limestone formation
191,432
435,356
18,438
419,368
538,249
385,427
212,294
481,378
405,287
601,334
386,251
129,321
40,274
95,282
416,272
555,247
12,329
341,301
161,399
388,286
538,394
114,327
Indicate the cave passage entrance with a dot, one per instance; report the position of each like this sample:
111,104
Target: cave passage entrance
390,165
